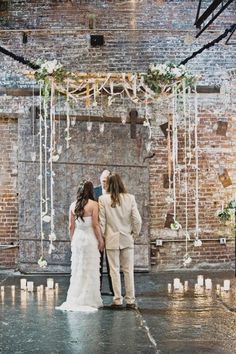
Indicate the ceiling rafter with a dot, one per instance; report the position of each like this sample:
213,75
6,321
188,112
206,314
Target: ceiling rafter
209,14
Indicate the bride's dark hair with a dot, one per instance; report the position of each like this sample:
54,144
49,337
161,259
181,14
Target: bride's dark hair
84,193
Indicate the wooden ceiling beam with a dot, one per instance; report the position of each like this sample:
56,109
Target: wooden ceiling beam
27,92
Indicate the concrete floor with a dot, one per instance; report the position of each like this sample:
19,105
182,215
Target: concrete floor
186,323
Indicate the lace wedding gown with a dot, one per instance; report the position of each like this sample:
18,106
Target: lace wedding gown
84,290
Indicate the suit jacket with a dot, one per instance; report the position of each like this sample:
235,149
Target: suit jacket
120,225
97,192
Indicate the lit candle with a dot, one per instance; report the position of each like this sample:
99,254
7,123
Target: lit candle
50,283
218,287
169,287
57,286
176,283
23,284
186,285
30,286
226,285
200,280
222,289
208,283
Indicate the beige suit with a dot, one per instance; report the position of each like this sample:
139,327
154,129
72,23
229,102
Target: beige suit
120,226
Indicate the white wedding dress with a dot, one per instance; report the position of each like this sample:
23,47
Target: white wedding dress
84,290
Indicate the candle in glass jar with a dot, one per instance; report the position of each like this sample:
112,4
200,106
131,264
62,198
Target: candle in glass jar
186,285
23,284
30,286
226,285
169,287
176,283
50,283
208,284
200,280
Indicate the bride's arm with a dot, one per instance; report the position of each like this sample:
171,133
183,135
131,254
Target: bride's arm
71,224
97,228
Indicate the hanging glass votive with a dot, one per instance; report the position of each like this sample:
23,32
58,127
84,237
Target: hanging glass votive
148,146
59,149
89,126
101,127
33,156
123,117
73,121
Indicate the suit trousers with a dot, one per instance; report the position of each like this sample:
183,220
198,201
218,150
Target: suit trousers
122,259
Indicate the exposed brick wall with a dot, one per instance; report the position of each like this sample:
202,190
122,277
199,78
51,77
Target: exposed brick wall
215,151
136,34
8,191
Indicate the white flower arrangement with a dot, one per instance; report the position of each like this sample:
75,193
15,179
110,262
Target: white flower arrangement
49,66
161,75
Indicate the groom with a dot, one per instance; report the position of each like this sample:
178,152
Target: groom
98,191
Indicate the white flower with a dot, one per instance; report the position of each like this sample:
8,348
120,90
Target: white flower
50,66
177,72
152,68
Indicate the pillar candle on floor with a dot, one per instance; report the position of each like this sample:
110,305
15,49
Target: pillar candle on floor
200,280
226,285
30,286
50,283
23,284
176,283
208,284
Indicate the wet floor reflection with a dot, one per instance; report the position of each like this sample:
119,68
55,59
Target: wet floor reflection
187,321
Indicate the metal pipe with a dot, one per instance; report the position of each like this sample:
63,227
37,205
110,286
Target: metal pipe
202,239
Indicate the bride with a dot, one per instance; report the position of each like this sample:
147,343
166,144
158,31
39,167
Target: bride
86,242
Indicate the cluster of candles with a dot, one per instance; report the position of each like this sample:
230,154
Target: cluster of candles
177,285
29,286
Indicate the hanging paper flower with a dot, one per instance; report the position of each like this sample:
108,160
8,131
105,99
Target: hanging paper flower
54,158
52,236
51,248
197,243
187,259
42,262
175,225
169,199
46,218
